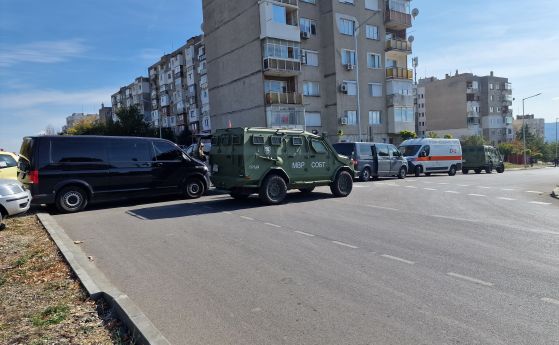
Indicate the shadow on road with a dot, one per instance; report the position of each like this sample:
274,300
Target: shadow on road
206,207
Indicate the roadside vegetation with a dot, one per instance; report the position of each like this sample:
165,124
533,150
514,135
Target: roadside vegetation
41,300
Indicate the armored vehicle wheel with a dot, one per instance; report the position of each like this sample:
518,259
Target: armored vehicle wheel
465,171
239,195
418,171
488,170
342,185
306,190
402,173
452,171
71,199
501,169
194,188
273,190
365,175
477,170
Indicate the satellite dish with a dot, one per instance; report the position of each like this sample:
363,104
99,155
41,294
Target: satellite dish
415,12
411,39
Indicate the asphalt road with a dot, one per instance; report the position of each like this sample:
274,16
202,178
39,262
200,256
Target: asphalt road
469,259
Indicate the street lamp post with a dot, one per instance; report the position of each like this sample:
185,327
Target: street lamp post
524,127
556,143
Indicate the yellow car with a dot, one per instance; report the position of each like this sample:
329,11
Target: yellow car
8,165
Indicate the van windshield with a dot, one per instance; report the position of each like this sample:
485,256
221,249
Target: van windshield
409,150
345,149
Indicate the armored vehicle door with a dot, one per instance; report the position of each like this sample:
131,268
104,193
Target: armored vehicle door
320,160
296,158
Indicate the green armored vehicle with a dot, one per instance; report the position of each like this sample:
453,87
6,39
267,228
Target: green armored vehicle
481,157
269,162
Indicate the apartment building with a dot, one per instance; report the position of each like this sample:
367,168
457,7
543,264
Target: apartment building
105,114
179,89
465,105
534,125
136,94
294,64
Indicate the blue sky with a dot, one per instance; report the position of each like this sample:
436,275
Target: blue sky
60,57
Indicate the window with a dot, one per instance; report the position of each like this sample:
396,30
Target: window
281,49
371,5
312,119
351,88
382,150
311,88
309,1
165,151
131,151
375,89
371,32
348,57
275,140
310,58
490,86
297,141
374,117
346,1
351,116
373,60
7,161
308,26
491,109
403,114
346,26
318,146
257,140
279,14
75,150
492,98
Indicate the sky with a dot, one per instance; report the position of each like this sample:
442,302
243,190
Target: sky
60,57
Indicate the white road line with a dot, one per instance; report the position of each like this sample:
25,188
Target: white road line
383,208
345,244
443,183
463,185
534,192
484,187
274,225
540,203
429,188
508,199
452,218
303,233
398,259
359,186
227,212
451,192
247,218
414,187
508,189
550,300
473,280
480,195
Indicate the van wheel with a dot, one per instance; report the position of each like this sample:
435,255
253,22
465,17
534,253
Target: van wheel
418,171
465,171
365,175
452,171
342,185
477,170
402,173
273,190
71,199
501,169
194,188
306,190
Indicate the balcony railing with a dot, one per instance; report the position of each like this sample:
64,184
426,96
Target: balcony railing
399,73
473,114
399,100
283,98
396,20
281,65
289,2
400,45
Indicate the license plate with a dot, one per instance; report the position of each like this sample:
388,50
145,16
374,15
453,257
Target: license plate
215,168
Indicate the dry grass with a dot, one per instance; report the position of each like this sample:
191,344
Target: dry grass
41,301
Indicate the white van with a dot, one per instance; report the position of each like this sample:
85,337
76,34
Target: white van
426,155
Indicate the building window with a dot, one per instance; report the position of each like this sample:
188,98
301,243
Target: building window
346,26
375,89
311,88
310,58
279,14
348,57
490,86
351,88
346,1
281,49
374,117
371,5
312,119
373,60
351,116
371,31
309,1
308,26
492,98
491,109
403,114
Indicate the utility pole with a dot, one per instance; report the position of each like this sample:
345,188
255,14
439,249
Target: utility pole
556,143
524,127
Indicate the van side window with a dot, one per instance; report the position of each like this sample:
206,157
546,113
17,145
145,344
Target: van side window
165,151
427,150
318,146
394,152
365,150
382,151
78,151
131,151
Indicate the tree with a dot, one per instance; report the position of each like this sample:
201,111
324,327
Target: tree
86,126
448,136
408,135
472,140
130,122
432,135
185,137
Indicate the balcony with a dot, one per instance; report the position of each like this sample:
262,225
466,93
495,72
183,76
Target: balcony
283,98
399,100
396,20
281,67
399,73
473,114
398,45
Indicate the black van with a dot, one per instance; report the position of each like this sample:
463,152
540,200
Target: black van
71,171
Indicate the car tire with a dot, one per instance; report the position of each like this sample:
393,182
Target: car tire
477,170
488,170
239,196
306,190
465,171
501,169
452,171
71,199
365,175
273,190
427,174
2,217
418,170
402,173
342,185
194,188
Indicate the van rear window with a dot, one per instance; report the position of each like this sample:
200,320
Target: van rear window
78,151
26,149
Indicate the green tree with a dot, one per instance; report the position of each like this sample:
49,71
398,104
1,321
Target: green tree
408,135
432,135
448,136
472,140
130,122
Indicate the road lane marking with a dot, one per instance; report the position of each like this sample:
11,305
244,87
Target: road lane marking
463,185
508,199
227,212
429,188
484,187
395,258
550,300
345,244
508,189
480,195
534,192
443,183
540,203
359,186
274,225
247,218
451,192
383,208
470,279
303,233
414,187
453,218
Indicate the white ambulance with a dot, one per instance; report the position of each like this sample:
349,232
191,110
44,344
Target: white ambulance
427,155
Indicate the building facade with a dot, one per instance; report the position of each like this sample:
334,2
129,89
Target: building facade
294,64
136,94
179,89
466,105
105,114
534,125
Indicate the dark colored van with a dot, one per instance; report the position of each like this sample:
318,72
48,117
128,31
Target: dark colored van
374,160
71,171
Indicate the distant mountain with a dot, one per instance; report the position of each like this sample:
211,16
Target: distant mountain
550,132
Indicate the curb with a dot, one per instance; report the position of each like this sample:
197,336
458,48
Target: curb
98,286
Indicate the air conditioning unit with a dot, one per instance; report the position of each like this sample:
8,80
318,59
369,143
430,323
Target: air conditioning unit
343,120
305,35
343,88
350,67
